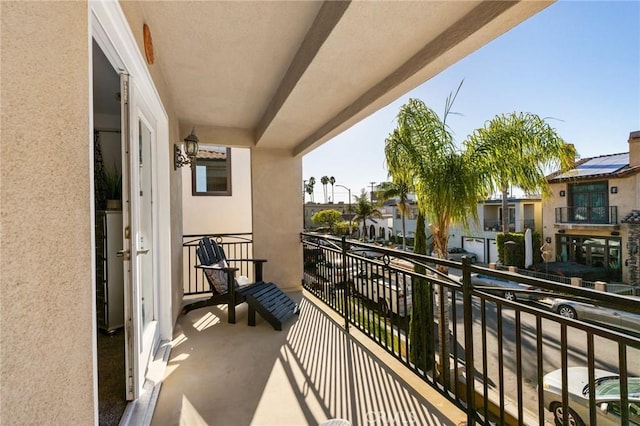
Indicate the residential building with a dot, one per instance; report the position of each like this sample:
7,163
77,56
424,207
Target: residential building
480,237
277,79
589,218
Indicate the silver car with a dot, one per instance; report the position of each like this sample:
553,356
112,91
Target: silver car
587,312
456,253
607,397
510,290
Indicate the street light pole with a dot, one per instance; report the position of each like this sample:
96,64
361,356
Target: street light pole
350,216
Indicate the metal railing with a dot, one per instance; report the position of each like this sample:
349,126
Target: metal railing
495,357
606,215
235,246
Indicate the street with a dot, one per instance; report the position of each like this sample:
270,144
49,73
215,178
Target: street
605,352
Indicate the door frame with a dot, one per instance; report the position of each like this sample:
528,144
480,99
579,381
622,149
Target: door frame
111,31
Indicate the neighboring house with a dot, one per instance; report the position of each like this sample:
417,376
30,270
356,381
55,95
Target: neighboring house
589,219
277,79
480,238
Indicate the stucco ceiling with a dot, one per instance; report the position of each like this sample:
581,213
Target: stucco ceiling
292,74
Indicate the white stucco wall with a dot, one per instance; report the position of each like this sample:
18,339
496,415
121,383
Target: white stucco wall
220,214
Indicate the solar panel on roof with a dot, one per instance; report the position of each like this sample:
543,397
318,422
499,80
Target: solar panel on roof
599,166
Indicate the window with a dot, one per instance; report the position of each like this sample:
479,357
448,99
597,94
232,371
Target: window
211,174
588,202
596,252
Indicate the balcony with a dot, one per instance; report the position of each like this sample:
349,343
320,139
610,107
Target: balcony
605,215
312,371
348,354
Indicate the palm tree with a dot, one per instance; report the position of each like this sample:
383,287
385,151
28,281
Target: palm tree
324,180
309,188
401,185
446,187
332,181
518,149
364,210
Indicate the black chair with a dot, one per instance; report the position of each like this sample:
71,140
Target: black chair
264,298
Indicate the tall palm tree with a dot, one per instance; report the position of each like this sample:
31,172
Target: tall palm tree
310,185
518,149
446,187
332,181
400,187
324,180
364,210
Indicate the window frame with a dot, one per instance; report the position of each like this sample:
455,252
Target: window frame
227,192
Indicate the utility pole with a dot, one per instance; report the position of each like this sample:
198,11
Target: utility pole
349,208
304,192
372,183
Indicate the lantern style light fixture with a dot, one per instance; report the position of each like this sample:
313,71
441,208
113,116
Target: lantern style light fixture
190,151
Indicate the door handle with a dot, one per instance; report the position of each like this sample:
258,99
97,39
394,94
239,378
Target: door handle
145,251
125,254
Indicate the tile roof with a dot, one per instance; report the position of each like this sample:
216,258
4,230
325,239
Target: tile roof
633,217
212,154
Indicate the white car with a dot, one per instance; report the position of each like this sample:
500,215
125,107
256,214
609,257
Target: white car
389,295
607,397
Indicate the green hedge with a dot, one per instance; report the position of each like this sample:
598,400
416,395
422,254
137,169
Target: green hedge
515,257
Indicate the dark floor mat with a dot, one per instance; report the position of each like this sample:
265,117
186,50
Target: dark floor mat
111,377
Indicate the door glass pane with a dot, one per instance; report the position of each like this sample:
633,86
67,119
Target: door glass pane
145,236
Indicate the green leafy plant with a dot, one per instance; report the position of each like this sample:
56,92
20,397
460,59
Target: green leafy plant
112,183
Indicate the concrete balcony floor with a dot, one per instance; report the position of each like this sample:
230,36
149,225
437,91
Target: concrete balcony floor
311,371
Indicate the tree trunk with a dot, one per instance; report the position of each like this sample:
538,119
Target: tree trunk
505,210
421,326
440,240
404,234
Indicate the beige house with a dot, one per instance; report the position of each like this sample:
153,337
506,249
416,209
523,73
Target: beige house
480,237
590,217
276,79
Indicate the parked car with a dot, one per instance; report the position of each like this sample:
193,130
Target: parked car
608,316
607,397
510,290
389,295
331,270
456,253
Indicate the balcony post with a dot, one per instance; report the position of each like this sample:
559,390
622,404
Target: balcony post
346,284
467,289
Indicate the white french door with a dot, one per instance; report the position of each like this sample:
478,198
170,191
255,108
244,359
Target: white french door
139,231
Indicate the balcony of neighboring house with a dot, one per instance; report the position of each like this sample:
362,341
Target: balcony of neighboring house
496,225
349,354
587,215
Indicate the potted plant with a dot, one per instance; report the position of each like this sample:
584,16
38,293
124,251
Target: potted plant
113,188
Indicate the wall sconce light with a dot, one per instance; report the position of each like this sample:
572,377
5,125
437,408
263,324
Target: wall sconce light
190,148
548,240
561,231
614,189
562,193
615,233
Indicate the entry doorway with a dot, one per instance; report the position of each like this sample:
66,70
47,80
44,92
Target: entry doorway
109,274
146,247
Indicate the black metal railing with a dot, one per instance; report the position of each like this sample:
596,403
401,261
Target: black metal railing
606,215
494,358
236,246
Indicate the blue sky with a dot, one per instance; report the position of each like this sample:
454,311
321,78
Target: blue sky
576,61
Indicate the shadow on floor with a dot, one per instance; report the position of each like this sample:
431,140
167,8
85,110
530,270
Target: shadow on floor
232,374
